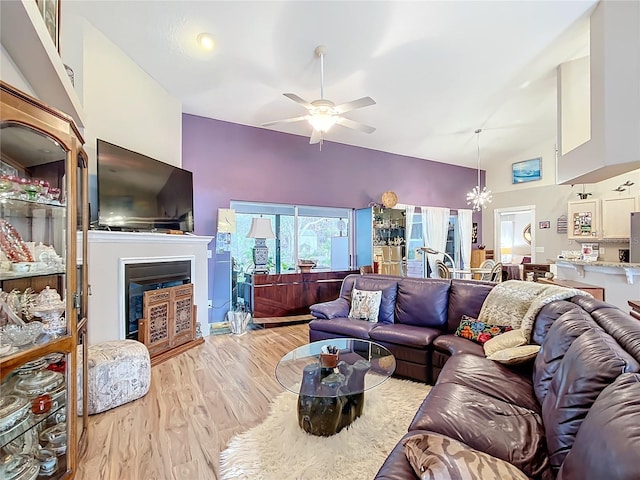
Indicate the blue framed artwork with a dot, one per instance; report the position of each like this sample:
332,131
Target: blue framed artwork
526,171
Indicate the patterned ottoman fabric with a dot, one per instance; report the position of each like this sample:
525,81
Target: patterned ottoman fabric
119,372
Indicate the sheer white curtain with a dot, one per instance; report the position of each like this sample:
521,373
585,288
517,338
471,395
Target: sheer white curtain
409,211
465,227
435,226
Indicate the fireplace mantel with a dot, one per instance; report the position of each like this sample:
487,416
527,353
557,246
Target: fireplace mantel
108,251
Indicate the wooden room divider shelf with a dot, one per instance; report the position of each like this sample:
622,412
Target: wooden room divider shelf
169,324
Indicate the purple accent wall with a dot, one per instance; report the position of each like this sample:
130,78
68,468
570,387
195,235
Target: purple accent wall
236,162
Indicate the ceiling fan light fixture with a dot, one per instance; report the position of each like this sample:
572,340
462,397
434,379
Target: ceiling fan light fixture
322,122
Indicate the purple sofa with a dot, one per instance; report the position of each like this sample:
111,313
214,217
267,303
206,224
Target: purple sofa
572,414
414,313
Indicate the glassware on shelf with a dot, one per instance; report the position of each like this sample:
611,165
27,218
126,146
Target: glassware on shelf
21,335
19,467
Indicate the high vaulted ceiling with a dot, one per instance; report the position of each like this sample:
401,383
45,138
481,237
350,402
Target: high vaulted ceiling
438,70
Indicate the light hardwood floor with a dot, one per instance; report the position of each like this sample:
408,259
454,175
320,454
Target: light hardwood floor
197,402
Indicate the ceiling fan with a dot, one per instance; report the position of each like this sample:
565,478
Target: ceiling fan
323,113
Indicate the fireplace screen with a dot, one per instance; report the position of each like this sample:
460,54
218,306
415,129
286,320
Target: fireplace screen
142,277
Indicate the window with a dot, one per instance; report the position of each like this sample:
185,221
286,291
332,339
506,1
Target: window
321,234
416,261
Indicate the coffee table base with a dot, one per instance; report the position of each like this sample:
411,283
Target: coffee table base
326,416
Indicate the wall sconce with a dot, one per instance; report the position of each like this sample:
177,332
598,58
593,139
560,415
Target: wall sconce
261,230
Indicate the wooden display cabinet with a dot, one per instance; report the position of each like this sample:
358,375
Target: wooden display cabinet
376,228
43,225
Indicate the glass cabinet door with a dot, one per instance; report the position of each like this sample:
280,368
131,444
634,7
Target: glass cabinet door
42,315
81,301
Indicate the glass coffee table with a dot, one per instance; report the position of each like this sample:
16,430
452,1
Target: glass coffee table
331,387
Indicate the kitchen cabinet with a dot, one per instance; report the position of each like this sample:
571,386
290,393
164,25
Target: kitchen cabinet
616,217
584,219
43,302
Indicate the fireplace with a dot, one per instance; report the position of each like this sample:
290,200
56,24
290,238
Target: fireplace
142,277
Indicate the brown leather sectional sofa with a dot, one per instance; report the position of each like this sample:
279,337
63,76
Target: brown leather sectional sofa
574,414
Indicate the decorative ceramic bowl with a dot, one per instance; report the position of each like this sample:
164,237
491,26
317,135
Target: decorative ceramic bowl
32,366
55,434
38,383
48,461
13,408
19,467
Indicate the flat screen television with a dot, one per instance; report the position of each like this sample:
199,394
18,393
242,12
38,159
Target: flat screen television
136,192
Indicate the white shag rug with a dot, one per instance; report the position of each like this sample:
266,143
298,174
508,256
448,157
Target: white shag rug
279,449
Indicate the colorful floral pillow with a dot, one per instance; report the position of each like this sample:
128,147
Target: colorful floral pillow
479,332
365,305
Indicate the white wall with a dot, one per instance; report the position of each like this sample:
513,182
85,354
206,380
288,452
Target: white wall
499,177
574,103
551,202
124,105
10,74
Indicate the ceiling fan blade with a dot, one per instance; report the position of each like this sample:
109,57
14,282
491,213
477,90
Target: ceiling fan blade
359,103
347,122
299,100
286,120
316,136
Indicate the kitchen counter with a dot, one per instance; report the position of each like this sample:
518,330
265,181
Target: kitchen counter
600,264
620,280
613,268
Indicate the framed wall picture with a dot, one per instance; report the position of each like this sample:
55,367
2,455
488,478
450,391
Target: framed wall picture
544,224
50,11
526,171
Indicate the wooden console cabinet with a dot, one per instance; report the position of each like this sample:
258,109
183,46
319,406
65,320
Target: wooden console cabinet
289,294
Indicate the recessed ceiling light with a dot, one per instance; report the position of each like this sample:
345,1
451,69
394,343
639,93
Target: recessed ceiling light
205,40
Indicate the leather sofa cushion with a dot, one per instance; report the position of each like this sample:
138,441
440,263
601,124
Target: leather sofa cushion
422,303
547,315
593,361
344,327
501,429
389,288
559,338
405,353
490,378
420,337
333,309
466,298
608,443
455,345
590,304
621,326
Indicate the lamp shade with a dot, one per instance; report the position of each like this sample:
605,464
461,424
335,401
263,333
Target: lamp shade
261,228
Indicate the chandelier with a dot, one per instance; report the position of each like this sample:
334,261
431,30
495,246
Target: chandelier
478,197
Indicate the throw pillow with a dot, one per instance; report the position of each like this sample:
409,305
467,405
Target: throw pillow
365,304
436,456
479,332
513,338
512,356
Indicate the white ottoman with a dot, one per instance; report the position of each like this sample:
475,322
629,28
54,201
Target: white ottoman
119,372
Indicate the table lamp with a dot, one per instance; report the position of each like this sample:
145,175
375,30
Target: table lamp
260,230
